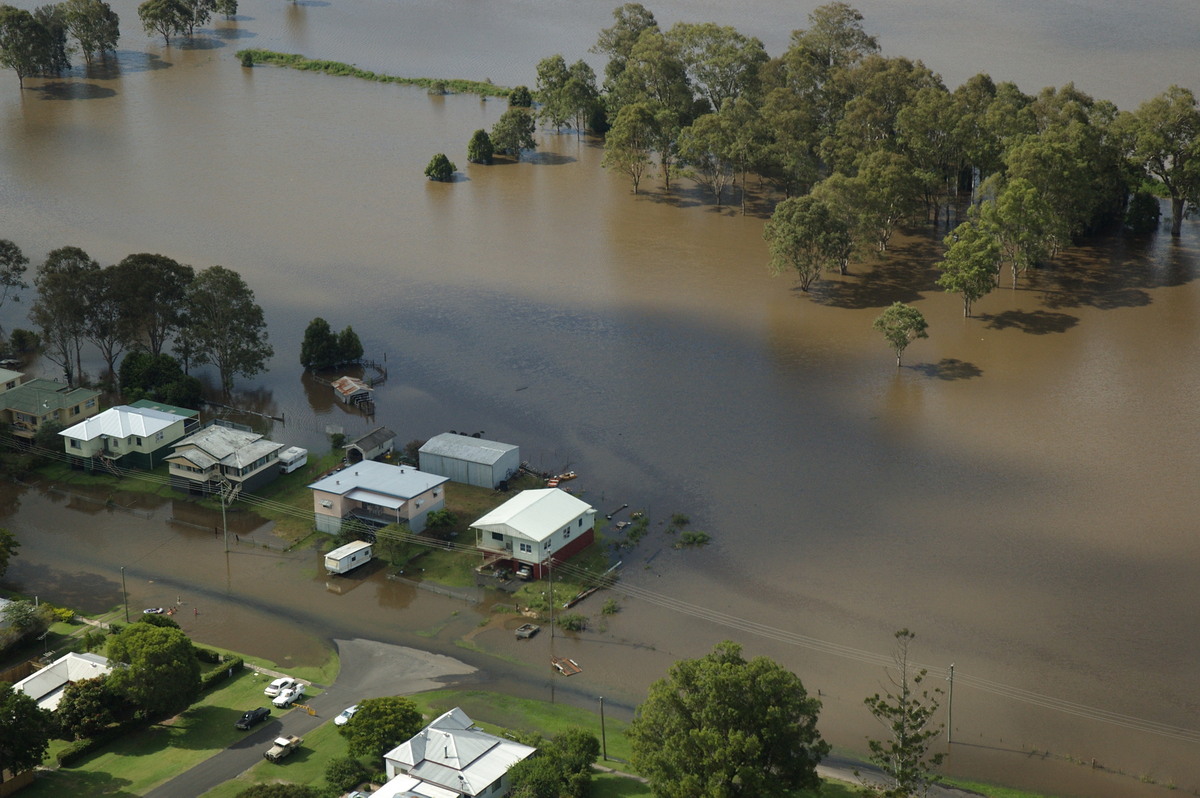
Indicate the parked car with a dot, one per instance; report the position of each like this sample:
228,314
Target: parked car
344,717
286,698
282,746
252,717
279,685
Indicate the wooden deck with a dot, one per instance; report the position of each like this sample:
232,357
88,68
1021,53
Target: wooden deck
565,666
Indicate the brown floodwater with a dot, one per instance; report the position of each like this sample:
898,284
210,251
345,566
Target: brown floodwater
1019,494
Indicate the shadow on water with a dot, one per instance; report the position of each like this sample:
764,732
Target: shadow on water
1035,322
949,368
61,90
198,43
548,158
129,62
83,591
233,34
902,274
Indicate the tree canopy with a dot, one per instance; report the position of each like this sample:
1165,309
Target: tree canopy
723,727
380,725
13,264
806,235
163,674
225,327
479,148
440,168
8,549
27,46
25,731
513,132
322,348
901,324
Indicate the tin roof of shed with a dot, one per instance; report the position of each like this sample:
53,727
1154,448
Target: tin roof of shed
466,447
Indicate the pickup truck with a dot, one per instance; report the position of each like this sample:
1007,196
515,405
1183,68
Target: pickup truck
282,747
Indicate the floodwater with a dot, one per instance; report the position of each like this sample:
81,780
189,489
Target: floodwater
1019,494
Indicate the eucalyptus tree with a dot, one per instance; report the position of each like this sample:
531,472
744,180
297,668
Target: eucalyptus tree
970,264
628,145
806,235
705,148
789,159
13,265
94,25
53,18
900,324
552,77
1023,224
928,133
26,46
891,194
157,290
61,308
165,17
513,132
721,63
226,327
618,41
1164,144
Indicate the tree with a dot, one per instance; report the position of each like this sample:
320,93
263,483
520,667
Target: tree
1023,223
165,17
722,726
538,776
198,13
1165,144
344,773
891,190
804,234
159,379
25,731
552,77
12,269
705,147
86,707
8,549
513,132
380,724
721,63
53,18
26,47
970,264
156,288
479,148
60,310
226,8
349,347
226,326
440,168
900,324
629,143
109,314
618,41
520,97
907,714
319,350
162,674
95,26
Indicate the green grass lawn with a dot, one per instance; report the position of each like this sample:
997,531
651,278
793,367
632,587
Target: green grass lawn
306,765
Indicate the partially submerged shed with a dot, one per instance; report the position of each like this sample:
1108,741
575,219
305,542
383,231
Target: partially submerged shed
473,461
375,443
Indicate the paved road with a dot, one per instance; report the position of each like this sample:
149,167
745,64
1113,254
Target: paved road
369,669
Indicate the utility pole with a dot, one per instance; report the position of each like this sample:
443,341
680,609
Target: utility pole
124,594
603,739
950,709
551,572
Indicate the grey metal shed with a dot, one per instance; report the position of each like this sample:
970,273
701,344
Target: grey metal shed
473,461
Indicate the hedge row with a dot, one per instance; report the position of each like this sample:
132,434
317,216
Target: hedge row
214,677
81,748
296,61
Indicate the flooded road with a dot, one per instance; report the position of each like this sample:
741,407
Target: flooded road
1019,494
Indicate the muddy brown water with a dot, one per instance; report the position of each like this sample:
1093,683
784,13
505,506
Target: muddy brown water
1020,494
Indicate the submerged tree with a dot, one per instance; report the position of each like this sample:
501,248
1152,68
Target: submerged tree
804,234
226,326
513,132
901,324
440,168
906,710
970,264
26,46
1165,139
13,264
479,148
94,25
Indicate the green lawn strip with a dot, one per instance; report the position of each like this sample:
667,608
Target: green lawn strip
306,765
295,522
296,61
325,673
991,790
137,762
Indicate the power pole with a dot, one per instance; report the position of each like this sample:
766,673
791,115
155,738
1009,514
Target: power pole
950,709
603,739
124,594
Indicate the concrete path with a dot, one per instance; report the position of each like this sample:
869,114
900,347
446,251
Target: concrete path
369,669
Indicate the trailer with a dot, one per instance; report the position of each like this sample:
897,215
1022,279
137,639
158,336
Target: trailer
348,557
292,458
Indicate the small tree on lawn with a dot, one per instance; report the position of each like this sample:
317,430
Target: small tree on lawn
380,725
440,168
901,324
906,711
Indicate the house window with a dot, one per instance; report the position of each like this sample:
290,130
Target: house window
75,410
138,441
567,533
75,445
158,436
527,548
581,523
546,545
90,403
497,536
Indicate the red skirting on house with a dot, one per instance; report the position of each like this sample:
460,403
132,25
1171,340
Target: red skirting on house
566,552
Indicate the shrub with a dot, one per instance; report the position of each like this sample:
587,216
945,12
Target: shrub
344,773
572,622
479,148
215,677
520,98
440,168
611,607
692,538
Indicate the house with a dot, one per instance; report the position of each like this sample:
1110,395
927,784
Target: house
46,686
376,443
535,529
377,494
223,454
134,436
352,391
25,407
9,379
470,460
452,758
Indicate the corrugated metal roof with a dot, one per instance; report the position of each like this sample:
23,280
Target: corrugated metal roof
465,447
535,514
121,422
38,397
403,482
46,686
374,438
230,447
348,386
166,408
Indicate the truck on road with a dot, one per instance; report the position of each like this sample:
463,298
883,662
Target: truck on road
282,746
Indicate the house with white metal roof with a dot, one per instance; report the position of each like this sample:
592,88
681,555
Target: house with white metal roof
124,435
471,460
452,758
221,455
377,494
536,528
47,685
